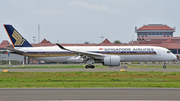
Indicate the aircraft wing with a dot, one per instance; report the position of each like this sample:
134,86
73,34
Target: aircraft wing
83,53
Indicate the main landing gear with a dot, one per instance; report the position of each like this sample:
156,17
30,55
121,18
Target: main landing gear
90,66
90,62
164,65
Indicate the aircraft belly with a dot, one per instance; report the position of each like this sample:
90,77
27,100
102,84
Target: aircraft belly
51,59
60,59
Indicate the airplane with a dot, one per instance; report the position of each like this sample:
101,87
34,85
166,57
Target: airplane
107,55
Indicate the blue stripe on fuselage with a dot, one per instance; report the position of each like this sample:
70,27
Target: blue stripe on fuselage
103,52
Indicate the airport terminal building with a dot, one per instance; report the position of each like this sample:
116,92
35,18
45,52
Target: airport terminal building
154,30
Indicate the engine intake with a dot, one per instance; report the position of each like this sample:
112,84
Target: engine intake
112,61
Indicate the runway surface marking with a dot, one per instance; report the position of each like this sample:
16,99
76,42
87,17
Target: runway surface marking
83,69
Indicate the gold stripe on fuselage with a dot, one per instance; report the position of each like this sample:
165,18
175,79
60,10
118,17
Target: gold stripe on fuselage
71,54
48,54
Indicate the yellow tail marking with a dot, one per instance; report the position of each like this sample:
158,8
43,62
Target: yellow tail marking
18,38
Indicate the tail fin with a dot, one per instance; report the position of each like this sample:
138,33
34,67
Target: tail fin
16,39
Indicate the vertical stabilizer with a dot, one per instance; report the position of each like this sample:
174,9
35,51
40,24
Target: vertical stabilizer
16,39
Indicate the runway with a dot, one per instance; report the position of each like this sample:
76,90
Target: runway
16,94
83,69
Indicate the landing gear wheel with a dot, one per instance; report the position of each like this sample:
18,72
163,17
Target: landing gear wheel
87,66
164,67
92,67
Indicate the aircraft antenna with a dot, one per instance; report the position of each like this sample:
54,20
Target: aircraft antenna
133,37
57,37
38,33
102,33
133,40
34,39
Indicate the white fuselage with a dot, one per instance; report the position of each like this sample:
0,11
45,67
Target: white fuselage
126,53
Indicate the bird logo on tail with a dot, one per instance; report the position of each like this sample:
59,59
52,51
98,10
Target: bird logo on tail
18,38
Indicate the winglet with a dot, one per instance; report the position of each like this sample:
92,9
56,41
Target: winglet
61,46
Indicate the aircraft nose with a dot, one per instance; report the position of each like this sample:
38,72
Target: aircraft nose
174,57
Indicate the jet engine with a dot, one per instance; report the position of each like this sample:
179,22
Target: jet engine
112,61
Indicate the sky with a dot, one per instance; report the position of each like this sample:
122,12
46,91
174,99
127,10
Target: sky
79,21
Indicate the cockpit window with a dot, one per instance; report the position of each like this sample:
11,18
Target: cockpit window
168,52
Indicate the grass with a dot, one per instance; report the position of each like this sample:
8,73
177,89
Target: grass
89,79
151,66
51,66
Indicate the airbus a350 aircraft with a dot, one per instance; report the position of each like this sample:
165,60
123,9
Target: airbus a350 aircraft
107,55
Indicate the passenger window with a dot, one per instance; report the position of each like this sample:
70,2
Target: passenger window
168,52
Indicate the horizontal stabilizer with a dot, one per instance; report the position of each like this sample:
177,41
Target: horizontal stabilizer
14,50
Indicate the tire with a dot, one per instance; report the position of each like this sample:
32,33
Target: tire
87,66
92,66
164,67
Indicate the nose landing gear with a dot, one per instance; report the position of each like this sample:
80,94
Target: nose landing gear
164,65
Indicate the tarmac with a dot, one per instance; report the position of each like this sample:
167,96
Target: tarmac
57,94
86,70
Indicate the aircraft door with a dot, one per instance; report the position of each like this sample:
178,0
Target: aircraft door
158,52
40,52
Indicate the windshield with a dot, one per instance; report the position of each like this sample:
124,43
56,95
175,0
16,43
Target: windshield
168,52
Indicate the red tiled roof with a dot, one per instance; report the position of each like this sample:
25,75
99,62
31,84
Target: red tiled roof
78,44
136,44
5,42
165,38
165,45
155,27
106,41
169,41
45,41
45,44
3,46
168,44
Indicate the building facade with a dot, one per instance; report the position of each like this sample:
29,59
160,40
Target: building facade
154,30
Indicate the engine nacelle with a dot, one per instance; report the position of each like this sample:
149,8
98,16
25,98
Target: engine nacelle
112,61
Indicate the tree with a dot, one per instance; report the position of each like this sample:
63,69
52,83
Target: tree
9,46
86,42
3,52
117,42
